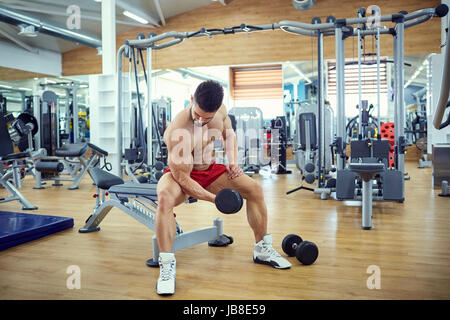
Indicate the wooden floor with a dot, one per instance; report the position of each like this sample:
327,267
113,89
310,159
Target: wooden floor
410,243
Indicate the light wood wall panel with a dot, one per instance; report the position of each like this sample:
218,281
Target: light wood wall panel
262,47
8,74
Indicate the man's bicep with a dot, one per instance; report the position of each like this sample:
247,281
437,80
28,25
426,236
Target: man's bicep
227,128
180,158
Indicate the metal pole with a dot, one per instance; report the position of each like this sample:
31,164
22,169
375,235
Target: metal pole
396,89
67,120
378,80
37,115
360,133
367,205
131,108
320,104
149,109
340,93
323,147
117,167
76,129
400,126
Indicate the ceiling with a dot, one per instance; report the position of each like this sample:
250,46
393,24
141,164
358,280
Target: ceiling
54,12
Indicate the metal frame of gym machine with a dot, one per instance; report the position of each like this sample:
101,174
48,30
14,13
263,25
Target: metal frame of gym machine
145,149
341,29
401,21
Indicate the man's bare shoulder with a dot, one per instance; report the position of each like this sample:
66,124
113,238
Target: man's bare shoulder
223,111
181,121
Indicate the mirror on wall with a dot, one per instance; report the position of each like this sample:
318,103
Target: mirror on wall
72,96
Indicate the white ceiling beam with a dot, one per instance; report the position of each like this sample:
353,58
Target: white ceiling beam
44,62
17,41
160,13
83,16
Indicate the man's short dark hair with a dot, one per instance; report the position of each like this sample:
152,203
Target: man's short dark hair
209,95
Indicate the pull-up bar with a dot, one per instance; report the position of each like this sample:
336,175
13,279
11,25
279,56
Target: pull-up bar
309,29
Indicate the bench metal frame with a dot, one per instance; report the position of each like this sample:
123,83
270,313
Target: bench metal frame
143,209
80,164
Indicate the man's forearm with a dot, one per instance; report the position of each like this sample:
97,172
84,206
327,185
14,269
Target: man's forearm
195,190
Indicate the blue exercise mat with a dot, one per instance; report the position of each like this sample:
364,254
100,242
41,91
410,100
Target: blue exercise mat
17,228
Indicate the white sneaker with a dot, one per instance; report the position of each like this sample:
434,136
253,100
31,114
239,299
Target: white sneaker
264,253
167,273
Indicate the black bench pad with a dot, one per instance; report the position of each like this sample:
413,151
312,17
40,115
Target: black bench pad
104,180
72,150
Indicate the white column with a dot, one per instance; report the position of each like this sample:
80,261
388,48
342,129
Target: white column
109,36
295,85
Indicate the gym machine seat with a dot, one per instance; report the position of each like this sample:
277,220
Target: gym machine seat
367,172
139,201
72,150
78,168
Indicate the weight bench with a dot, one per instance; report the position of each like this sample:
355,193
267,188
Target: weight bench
9,167
77,168
139,201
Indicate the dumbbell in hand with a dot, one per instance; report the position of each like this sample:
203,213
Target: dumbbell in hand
305,251
229,201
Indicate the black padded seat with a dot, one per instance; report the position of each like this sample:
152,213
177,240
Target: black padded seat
99,150
13,156
72,150
140,189
135,189
366,170
104,180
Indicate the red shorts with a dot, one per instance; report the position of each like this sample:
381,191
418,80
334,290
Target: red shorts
208,176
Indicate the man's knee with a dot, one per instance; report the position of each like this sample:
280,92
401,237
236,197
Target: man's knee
165,200
255,192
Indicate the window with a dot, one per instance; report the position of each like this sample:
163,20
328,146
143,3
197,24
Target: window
368,85
368,77
258,86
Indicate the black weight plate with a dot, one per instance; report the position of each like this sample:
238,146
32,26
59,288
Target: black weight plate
307,252
228,201
288,242
28,118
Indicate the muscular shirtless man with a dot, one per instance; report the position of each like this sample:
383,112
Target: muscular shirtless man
193,172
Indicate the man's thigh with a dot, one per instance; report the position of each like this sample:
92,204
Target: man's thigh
242,184
168,185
